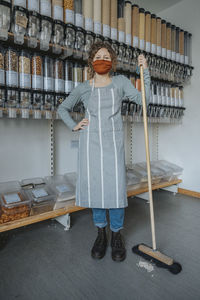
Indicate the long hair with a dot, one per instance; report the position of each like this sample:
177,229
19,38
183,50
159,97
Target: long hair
93,50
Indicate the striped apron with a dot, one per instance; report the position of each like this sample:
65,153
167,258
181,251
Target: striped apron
101,181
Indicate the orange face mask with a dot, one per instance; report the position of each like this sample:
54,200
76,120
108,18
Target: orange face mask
102,66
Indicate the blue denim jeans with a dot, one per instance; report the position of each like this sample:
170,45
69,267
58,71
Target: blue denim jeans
116,218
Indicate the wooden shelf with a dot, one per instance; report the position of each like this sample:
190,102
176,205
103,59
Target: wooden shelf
68,210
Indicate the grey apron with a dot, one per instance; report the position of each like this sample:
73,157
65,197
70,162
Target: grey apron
101,181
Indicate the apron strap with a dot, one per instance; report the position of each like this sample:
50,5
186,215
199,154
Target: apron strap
92,84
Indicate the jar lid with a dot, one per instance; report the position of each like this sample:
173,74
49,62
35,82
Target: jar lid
47,18
181,30
153,16
158,18
5,3
169,25
59,22
147,13
20,8
135,5
34,13
163,22
142,10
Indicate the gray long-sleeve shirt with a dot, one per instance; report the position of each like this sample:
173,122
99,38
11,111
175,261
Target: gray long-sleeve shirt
83,90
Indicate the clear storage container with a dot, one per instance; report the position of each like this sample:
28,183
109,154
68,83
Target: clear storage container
15,204
135,26
127,16
2,100
45,33
24,70
37,103
70,37
88,14
69,83
33,30
48,74
59,76
48,105
58,36
97,16
79,43
2,66
68,11
133,180
71,177
11,67
89,40
25,103
37,71
12,101
171,171
5,17
19,24
106,14
177,45
78,13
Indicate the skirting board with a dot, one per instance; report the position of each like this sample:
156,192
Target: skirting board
189,193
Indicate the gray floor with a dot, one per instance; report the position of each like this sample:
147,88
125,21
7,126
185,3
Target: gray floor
42,261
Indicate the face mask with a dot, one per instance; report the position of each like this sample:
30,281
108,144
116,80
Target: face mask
102,66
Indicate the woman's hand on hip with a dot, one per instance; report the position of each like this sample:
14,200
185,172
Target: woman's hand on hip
142,61
81,125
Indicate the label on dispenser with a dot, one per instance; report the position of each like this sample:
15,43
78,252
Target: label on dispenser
37,82
79,20
69,16
45,8
186,60
106,30
2,77
121,36
128,39
153,48
182,59
135,41
173,55
68,86
97,27
59,85
164,52
114,33
12,78
58,12
48,84
178,57
34,5
148,46
169,54
88,24
21,20
159,51
25,80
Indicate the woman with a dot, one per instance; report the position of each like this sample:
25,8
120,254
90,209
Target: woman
101,182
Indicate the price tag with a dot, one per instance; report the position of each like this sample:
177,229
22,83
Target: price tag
21,20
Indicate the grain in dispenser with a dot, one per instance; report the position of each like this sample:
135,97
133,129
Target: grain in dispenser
37,71
173,43
88,14
153,34
147,31
177,45
2,66
169,41
24,70
69,83
68,11
11,67
186,47
97,16
141,28
158,33
105,14
78,13
181,46
164,38
59,75
113,19
121,21
135,25
127,16
57,10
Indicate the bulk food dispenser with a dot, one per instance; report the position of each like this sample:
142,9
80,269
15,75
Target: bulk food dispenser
19,24
45,33
5,13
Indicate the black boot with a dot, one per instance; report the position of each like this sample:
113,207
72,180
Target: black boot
118,247
100,244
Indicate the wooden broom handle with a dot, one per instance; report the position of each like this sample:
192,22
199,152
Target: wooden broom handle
148,158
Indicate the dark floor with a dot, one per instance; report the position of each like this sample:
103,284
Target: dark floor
44,262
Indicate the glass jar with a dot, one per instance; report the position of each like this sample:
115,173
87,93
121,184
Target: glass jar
19,24
147,31
2,100
11,67
57,10
33,5
70,37
5,11
48,105
121,30
24,103
77,74
48,74
98,38
58,36
164,38
79,43
59,76
37,103
78,13
88,14
46,31
135,25
141,28
169,41
181,46
159,36
89,40
2,66
24,70
153,34
97,15
127,17
45,8
33,30
68,11
37,72
69,83
12,101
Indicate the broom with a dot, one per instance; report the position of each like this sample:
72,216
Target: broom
152,254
